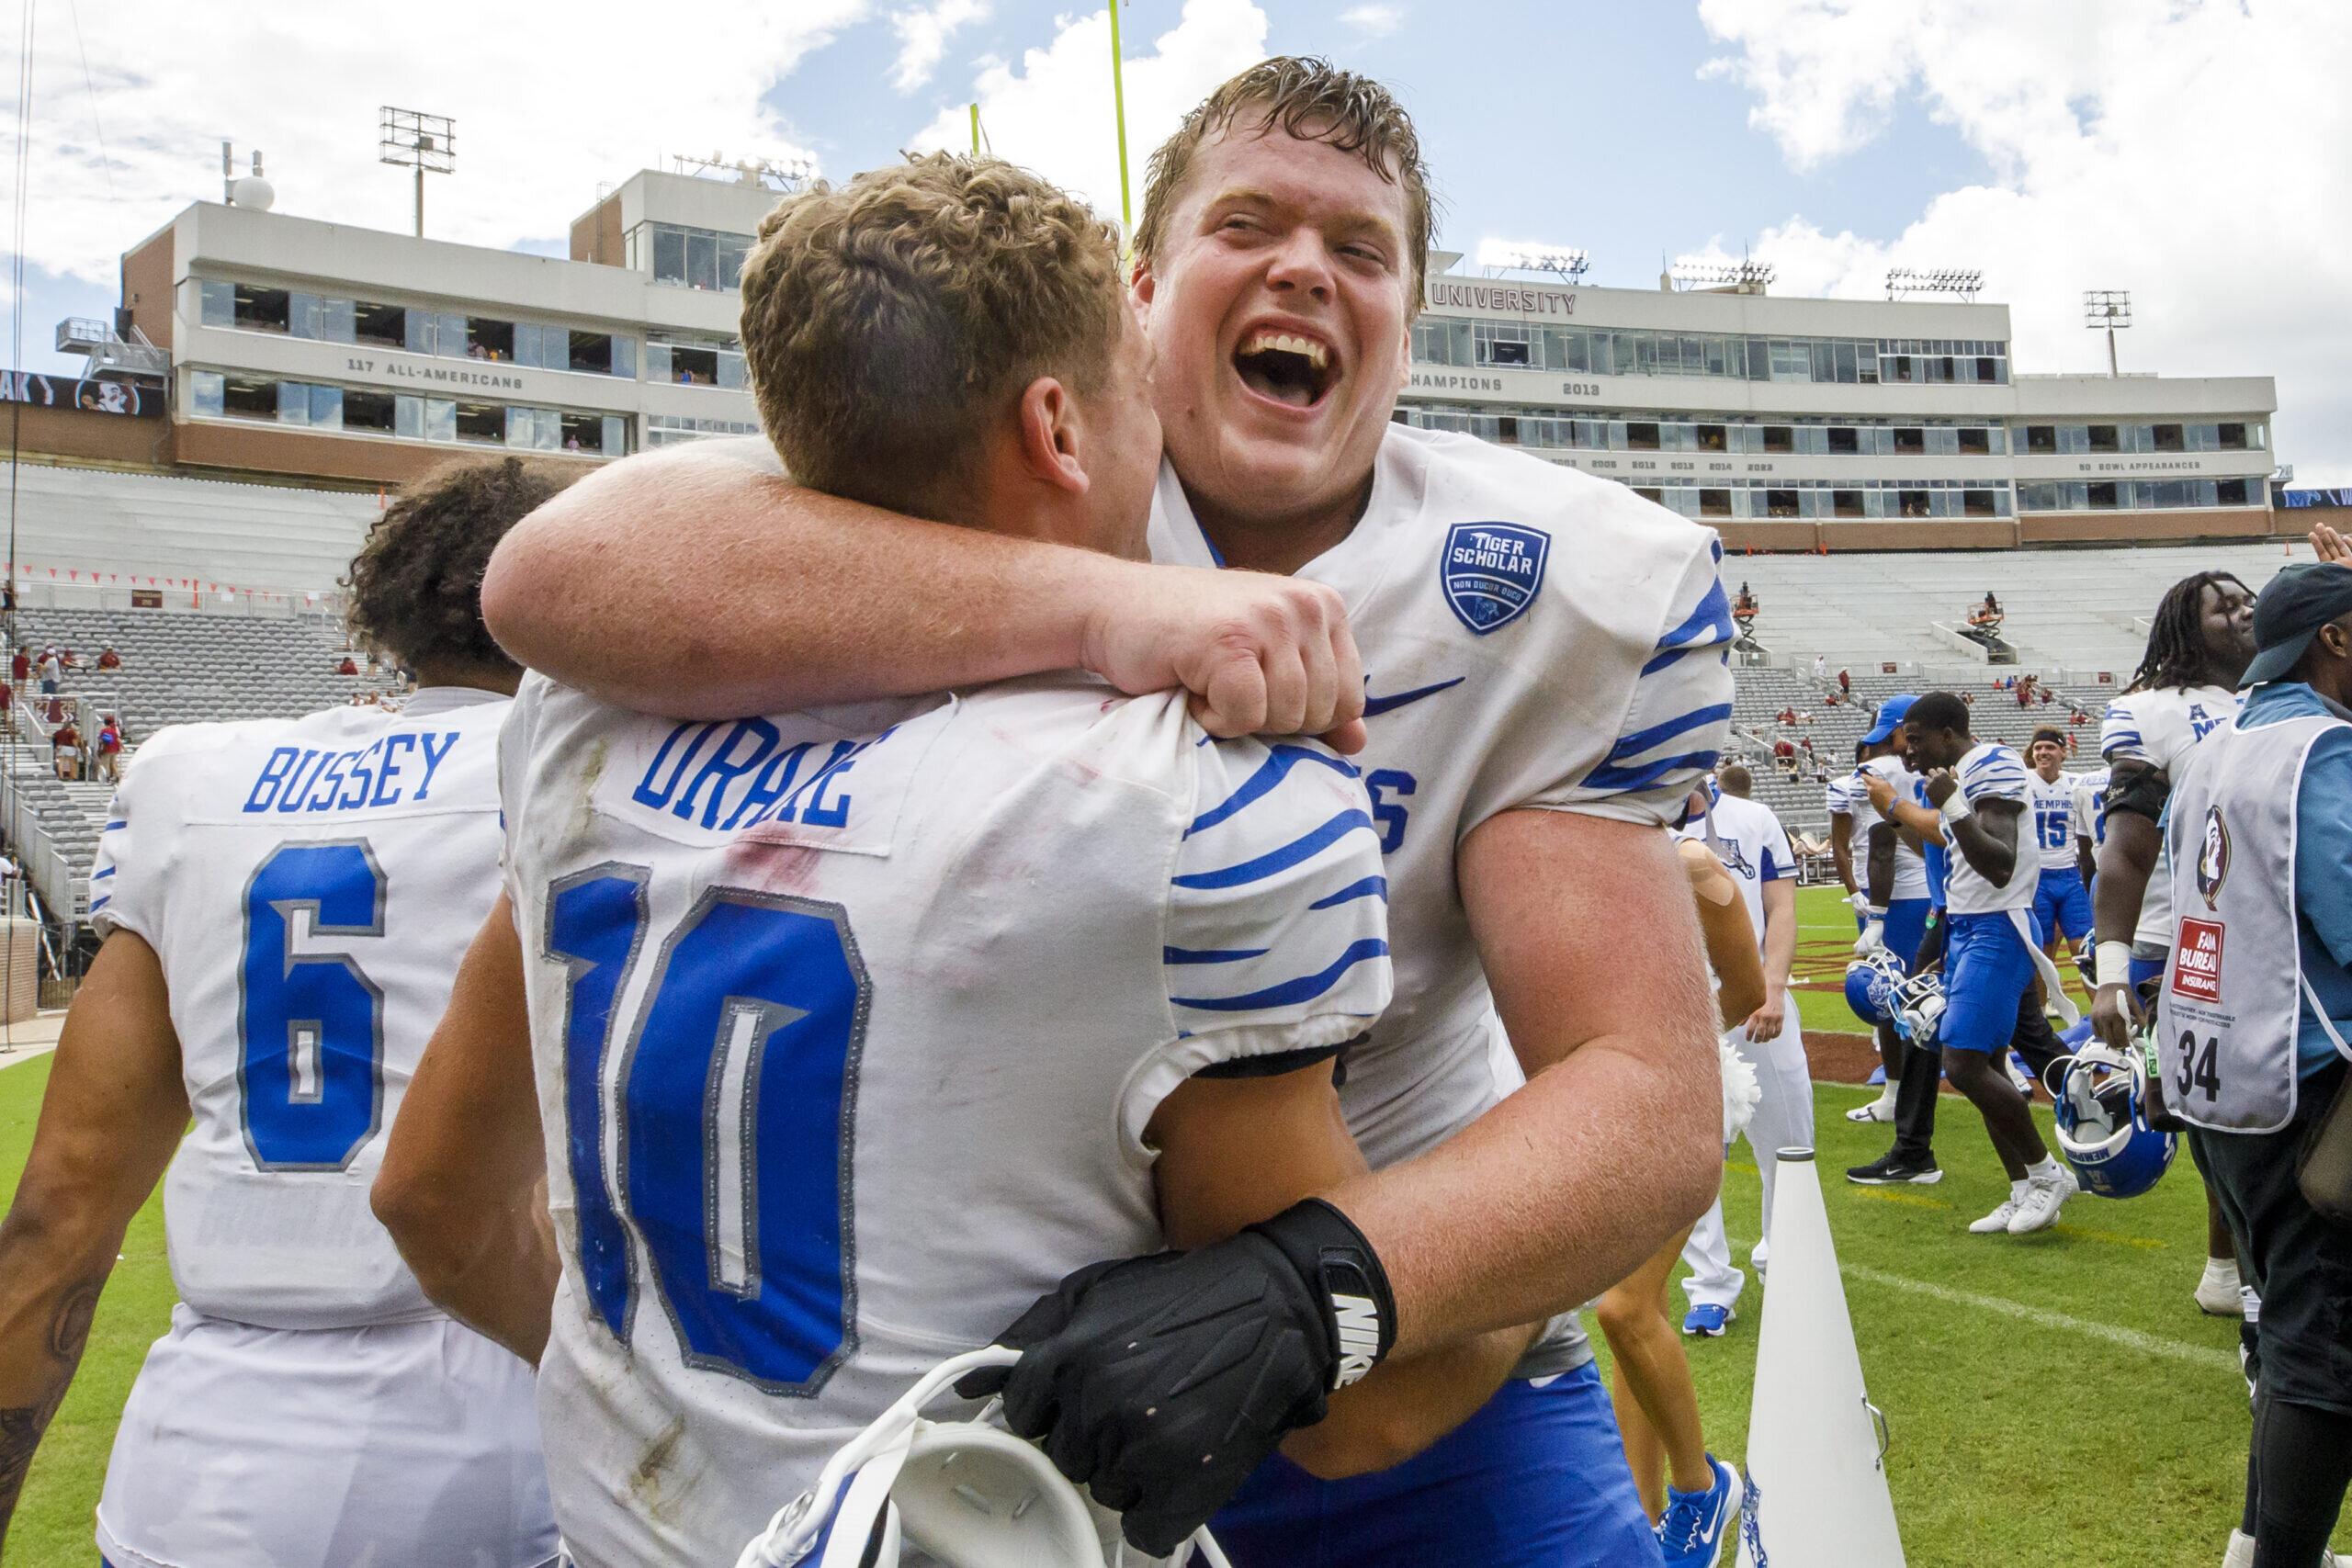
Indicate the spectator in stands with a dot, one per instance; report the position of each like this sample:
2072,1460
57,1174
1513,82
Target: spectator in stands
105,749
20,668
347,667
66,745
1820,667
69,659
2045,696
108,659
51,671
1845,685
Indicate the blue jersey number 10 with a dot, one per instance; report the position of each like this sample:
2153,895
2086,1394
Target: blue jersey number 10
311,1025
735,1090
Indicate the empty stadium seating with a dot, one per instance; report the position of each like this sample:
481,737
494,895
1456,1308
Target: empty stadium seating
2078,611
178,668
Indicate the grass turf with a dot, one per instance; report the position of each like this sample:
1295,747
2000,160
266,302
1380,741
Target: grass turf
2013,1440
53,1524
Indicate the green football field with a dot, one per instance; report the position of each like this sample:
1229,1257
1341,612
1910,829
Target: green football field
2051,1399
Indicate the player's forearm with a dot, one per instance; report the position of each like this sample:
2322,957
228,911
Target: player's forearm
499,1278
1844,855
1406,1404
1779,945
2126,862
1882,866
1556,1193
54,1259
743,593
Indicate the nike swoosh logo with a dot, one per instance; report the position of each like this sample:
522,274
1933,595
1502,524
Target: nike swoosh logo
1374,706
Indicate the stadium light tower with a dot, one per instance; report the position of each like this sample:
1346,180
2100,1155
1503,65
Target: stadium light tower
2112,309
1963,281
1568,263
1748,275
425,142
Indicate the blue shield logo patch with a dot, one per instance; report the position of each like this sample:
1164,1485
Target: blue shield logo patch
1491,572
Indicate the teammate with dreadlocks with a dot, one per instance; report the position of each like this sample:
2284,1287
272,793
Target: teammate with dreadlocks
2185,689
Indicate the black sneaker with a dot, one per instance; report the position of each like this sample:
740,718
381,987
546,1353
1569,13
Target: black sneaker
1890,1168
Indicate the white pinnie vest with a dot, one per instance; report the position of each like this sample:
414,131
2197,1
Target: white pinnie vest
2227,1017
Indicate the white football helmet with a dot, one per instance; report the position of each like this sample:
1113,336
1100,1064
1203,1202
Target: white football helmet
970,1494
1919,1008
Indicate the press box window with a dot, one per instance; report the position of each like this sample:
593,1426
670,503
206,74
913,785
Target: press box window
1848,504
368,411
2040,440
315,316
241,397
262,310
1975,442
1641,437
299,402
484,422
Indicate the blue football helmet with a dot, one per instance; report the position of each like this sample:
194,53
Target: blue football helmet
1871,983
2103,1128
1919,1008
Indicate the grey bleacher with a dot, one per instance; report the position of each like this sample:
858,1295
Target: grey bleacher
178,668
2077,610
184,668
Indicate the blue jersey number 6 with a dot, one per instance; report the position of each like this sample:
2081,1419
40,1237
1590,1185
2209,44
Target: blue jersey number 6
736,1084
311,1025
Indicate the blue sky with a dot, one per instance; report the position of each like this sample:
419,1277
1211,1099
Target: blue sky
1565,121
2046,144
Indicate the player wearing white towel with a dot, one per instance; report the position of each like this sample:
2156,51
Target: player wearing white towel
1547,681
1993,951
2199,643
284,905
1753,845
857,1030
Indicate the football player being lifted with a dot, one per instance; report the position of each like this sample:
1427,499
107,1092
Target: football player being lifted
857,1031
1547,681
285,904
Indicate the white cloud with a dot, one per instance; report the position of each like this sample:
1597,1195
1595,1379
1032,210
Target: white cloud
1375,21
2193,154
923,38
1052,113
543,111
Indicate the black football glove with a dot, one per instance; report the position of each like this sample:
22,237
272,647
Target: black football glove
1160,1382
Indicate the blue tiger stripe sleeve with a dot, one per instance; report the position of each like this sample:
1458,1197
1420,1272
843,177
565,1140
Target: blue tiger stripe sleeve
123,892
1276,919
1674,728
1277,905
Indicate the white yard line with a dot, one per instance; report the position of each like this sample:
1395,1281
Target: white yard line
2130,1338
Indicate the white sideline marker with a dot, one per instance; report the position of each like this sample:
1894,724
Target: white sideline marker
2130,1338
1817,1487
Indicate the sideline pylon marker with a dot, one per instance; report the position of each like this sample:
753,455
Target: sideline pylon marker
1817,1482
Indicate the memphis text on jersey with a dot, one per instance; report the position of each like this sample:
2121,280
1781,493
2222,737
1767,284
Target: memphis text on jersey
300,778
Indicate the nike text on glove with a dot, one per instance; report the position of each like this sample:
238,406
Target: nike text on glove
1873,935
1160,1382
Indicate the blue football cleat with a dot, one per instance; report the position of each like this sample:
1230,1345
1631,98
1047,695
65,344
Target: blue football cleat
1697,1524
1708,1319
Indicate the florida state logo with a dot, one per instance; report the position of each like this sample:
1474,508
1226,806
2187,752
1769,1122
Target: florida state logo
2213,856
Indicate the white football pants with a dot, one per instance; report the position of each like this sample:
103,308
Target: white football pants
1783,1119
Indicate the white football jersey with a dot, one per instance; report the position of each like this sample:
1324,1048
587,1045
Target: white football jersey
2050,817
849,1026
1499,678
1838,795
2161,727
1749,839
1991,772
311,886
2090,806
1910,869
